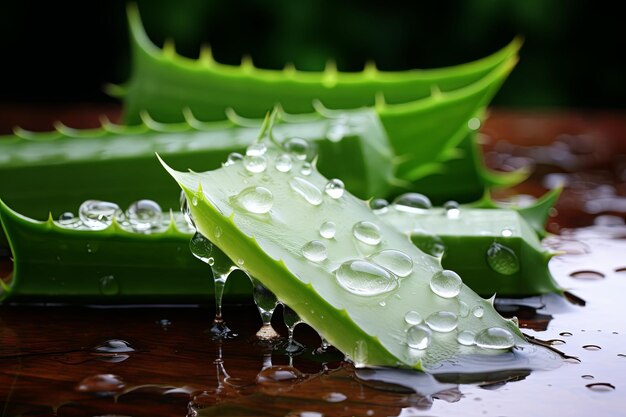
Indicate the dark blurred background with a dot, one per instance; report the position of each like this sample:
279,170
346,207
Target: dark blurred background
55,52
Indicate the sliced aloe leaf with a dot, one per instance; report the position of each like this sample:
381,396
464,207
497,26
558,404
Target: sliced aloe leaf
114,265
364,290
496,251
164,83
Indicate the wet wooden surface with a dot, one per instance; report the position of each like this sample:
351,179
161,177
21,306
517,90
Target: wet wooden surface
159,361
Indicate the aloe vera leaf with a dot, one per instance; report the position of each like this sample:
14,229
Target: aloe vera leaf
53,263
464,175
164,83
268,245
496,251
57,171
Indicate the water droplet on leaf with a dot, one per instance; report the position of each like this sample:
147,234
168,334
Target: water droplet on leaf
446,283
495,338
395,261
412,203
442,321
144,215
418,337
502,259
328,230
334,188
367,232
314,251
257,200
364,278
306,190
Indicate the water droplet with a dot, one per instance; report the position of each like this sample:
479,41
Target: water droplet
442,321
566,334
255,164
412,203
473,123
278,374
418,337
328,230
109,285
428,243
446,283
297,147
334,188
478,311
379,206
211,261
306,190
194,200
256,149
184,208
240,261
463,309
257,200
114,346
592,347
364,278
67,219
201,247
283,163
335,397
587,376
306,169
367,232
144,215
382,303
102,384
337,131
502,259
97,214
218,232
601,387
590,275
452,209
495,338
466,338
233,158
413,317
395,261
314,251
506,232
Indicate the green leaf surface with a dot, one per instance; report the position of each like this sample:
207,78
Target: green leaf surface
268,243
165,83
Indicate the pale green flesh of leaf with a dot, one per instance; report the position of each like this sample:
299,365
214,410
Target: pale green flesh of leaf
270,247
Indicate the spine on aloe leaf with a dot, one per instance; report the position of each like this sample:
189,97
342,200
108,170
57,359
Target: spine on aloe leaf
358,281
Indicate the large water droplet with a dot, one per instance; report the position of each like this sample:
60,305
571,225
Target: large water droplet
334,188
395,261
418,337
283,163
109,285
502,259
442,321
102,384
68,219
279,374
298,147
495,338
233,158
379,206
256,149
97,214
452,209
114,346
446,283
367,232
412,203
144,215
184,208
466,337
328,230
413,317
314,251
364,278
255,164
257,200
306,190
200,247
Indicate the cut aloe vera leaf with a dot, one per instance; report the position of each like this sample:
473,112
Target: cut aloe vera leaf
53,263
269,223
164,83
56,171
463,174
496,251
